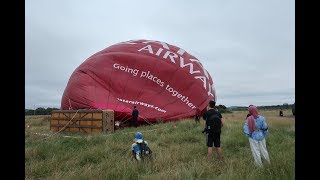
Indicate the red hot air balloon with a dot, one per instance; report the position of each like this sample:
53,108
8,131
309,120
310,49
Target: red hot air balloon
163,81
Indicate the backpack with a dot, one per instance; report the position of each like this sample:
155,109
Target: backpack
213,124
145,150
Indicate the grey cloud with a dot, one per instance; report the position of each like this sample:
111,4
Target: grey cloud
247,46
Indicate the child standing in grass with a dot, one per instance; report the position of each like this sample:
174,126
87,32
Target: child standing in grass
256,129
140,149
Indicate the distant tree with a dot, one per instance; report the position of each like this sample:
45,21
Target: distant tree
285,105
40,111
49,110
29,112
223,109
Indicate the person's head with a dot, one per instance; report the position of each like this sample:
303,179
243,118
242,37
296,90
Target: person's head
253,111
138,137
212,104
134,107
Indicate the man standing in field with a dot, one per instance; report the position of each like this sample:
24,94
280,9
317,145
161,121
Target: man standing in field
135,114
213,125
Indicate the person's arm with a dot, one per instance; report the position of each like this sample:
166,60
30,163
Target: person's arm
246,128
222,121
264,125
204,115
136,151
133,154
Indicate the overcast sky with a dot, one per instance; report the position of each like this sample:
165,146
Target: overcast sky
247,46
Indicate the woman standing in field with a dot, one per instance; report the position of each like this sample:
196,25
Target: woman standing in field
256,129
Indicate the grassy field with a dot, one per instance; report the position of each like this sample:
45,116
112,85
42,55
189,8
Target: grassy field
179,153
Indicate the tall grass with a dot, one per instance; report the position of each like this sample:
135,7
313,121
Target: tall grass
179,153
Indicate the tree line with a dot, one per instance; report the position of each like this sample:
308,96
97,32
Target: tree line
39,111
221,108
48,111
272,107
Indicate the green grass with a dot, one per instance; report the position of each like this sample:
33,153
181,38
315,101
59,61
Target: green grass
179,153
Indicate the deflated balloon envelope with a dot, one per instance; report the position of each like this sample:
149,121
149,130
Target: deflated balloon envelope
163,81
